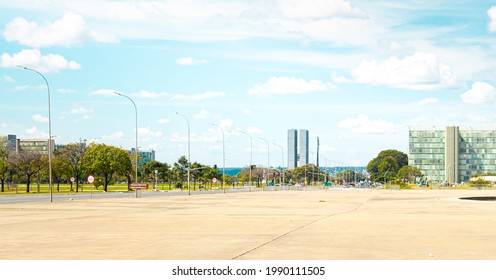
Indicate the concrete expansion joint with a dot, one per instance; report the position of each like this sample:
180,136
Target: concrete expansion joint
298,228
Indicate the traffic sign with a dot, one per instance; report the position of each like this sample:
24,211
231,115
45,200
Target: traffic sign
137,186
91,179
214,180
73,179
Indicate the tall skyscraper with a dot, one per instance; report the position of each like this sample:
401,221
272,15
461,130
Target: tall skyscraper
303,160
292,149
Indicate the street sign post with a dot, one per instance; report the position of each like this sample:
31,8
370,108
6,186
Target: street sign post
138,187
91,180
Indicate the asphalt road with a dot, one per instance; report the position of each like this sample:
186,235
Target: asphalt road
33,198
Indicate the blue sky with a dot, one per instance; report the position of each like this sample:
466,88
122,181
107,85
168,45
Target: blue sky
356,74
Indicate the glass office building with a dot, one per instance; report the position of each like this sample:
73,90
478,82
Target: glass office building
297,148
452,155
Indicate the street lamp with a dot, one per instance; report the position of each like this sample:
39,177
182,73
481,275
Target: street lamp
189,151
282,166
268,159
223,157
136,149
49,132
251,156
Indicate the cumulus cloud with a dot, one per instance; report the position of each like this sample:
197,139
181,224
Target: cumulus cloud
34,132
163,121
185,61
69,30
254,130
114,136
146,132
34,59
203,114
479,93
66,90
318,9
419,71
199,97
80,110
288,85
491,13
104,92
40,118
150,95
363,125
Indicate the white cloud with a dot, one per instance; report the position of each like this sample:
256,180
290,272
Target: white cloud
253,130
363,125
114,136
318,9
151,95
479,93
35,133
146,132
247,112
326,148
8,79
69,30
185,61
426,101
226,124
419,71
288,85
34,59
40,118
163,121
337,79
80,110
199,97
20,88
66,90
328,20
491,13
104,92
203,114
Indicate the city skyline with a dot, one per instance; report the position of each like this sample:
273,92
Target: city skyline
355,74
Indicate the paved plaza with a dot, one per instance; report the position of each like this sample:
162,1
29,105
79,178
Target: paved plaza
338,224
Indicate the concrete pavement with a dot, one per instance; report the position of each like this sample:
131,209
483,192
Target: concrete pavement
339,224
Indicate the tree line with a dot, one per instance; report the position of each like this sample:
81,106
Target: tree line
111,164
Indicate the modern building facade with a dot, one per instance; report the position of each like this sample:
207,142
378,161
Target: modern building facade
452,155
144,156
297,148
303,160
34,145
292,148
9,141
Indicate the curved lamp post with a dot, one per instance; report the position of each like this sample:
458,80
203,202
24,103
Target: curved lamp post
49,132
189,151
282,166
268,159
136,115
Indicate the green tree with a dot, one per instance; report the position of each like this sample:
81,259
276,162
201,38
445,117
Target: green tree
73,156
106,161
4,155
386,163
27,163
409,173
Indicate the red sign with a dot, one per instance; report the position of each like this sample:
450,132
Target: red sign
138,186
91,179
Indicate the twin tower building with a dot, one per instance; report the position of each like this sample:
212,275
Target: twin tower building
297,148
